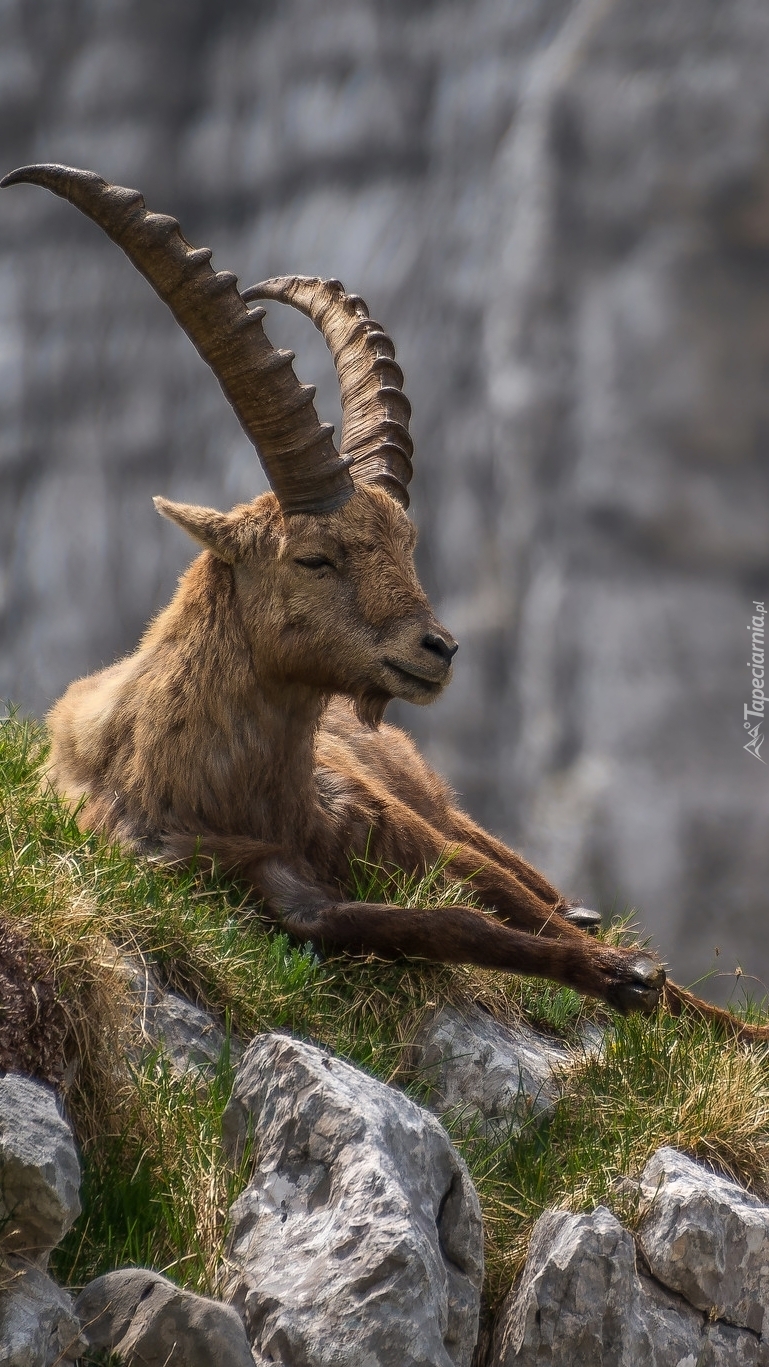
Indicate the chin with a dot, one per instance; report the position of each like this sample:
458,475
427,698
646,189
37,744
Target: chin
370,706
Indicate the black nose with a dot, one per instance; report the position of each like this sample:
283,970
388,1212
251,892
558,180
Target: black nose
440,645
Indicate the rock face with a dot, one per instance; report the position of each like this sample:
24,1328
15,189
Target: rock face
39,1169
145,1319
487,1075
559,211
625,353
38,1327
581,1301
707,1238
39,1182
359,1238
188,1036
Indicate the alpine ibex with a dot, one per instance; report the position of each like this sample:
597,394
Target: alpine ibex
247,722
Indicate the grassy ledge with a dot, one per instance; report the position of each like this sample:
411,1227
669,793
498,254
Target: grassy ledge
156,1188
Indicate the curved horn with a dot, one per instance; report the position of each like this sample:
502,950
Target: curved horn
275,411
375,411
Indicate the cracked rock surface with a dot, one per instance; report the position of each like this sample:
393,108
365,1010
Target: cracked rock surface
582,1301
39,1169
706,1237
359,1238
488,1074
38,1326
149,1321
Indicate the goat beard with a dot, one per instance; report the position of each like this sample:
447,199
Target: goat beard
370,707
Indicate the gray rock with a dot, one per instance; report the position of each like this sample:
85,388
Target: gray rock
38,1327
39,1168
189,1036
148,1321
704,1236
581,1301
359,1238
485,1074
680,1336
724,1346
578,1295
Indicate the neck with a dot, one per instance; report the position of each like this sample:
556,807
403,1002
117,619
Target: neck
221,745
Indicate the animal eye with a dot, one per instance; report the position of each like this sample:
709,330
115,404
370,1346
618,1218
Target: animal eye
314,562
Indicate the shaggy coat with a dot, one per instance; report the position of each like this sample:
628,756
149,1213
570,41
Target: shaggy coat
247,724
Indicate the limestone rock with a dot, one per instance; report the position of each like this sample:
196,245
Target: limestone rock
482,1072
581,1301
706,1237
578,1289
359,1238
724,1346
39,1168
189,1036
38,1327
148,1321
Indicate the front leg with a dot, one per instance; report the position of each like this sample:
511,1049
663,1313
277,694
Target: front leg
501,880
505,861
628,980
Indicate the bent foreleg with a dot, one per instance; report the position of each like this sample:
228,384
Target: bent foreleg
627,981
502,881
502,860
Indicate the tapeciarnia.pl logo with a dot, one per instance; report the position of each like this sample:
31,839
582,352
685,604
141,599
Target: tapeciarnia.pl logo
753,712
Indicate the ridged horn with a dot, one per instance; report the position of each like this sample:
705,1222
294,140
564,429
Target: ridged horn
375,411
275,411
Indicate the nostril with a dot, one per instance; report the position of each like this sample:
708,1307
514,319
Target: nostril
440,646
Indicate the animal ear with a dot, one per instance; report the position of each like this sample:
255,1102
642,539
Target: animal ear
217,532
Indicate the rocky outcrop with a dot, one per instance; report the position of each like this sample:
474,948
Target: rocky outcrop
585,1296
38,1325
707,1238
358,1241
187,1036
486,1075
145,1319
39,1169
359,1237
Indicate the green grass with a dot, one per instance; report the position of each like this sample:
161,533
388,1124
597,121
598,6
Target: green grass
156,1187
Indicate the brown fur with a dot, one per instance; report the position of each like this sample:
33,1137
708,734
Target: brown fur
244,726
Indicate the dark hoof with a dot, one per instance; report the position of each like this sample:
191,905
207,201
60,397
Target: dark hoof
584,918
641,990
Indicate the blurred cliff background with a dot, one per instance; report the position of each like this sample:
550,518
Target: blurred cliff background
560,210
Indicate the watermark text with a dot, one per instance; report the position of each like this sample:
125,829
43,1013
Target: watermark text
754,711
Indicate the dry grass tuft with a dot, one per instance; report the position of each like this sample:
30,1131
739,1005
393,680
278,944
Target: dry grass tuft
656,1081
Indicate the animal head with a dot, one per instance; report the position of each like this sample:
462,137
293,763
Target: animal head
330,600
323,567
